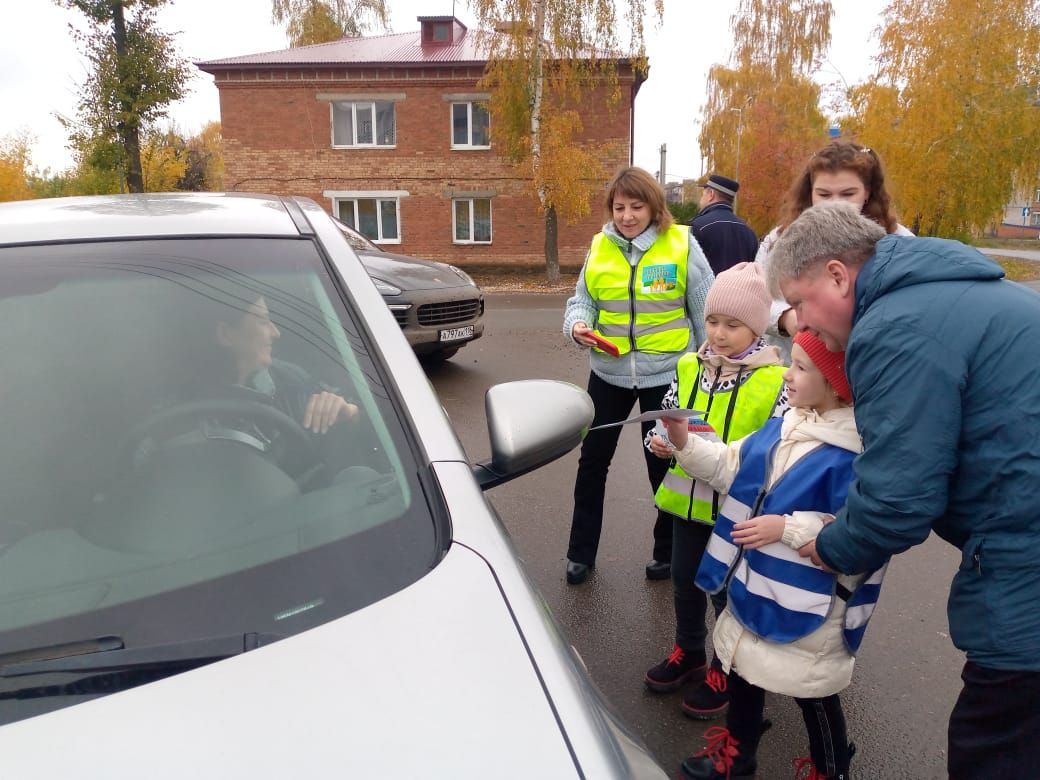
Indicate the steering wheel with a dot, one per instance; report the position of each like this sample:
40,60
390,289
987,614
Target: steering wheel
293,446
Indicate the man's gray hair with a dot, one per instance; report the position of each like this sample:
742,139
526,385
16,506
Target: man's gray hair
829,231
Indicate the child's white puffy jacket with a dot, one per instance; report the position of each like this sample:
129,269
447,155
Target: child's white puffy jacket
816,665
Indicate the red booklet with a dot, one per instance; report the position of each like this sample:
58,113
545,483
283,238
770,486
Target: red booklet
607,346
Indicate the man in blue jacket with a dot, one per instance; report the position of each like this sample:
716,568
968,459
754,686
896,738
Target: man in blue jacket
943,356
725,238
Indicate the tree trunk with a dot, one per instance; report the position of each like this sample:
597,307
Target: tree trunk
552,247
128,131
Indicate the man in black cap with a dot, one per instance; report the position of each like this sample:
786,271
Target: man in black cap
725,238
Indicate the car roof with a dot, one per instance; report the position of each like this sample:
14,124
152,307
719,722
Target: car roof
163,214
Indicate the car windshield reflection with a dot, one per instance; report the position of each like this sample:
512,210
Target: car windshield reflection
190,450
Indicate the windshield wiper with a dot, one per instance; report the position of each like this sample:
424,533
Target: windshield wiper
106,654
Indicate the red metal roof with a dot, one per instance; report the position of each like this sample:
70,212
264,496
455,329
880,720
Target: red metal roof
397,49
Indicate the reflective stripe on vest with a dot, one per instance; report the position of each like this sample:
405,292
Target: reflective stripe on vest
773,591
753,403
654,292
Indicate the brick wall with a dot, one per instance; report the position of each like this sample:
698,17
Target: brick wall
277,139
1007,230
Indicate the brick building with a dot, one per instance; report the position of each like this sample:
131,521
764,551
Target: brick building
391,133
1021,217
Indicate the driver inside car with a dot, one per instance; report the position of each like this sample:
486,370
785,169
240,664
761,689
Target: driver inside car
247,343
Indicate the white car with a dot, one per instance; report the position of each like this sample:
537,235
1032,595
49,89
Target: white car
240,538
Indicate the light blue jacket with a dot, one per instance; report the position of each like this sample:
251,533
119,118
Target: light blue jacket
944,363
639,369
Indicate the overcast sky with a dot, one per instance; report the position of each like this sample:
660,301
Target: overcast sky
40,66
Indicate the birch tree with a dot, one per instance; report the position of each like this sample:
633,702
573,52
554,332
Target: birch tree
136,73
547,54
765,103
954,110
320,21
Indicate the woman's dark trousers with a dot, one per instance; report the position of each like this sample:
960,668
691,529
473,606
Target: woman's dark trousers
613,404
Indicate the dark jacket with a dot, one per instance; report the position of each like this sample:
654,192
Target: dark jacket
725,238
944,363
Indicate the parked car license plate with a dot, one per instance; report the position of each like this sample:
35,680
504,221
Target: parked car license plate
454,334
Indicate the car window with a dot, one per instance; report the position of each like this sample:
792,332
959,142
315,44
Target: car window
355,239
158,480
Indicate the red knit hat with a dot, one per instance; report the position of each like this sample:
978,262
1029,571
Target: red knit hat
830,364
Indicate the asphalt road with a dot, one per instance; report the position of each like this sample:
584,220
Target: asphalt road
907,676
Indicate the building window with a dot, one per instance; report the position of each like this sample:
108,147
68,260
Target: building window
472,220
363,123
470,125
1034,219
442,32
1037,198
378,219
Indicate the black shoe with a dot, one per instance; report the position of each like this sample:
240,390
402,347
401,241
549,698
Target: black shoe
805,768
658,570
673,671
577,573
709,699
724,758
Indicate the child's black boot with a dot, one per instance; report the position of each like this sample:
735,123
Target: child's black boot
710,698
805,768
724,757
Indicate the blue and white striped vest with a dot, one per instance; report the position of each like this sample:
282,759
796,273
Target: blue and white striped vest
773,591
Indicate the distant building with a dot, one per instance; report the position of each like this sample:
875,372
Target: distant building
1021,216
392,134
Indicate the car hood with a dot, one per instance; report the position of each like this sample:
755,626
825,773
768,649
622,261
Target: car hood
412,686
410,273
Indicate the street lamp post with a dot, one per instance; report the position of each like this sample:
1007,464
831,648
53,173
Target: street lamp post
740,131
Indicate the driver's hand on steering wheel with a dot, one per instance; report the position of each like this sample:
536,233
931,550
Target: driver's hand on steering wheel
325,409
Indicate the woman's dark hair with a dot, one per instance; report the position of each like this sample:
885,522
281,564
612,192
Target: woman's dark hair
843,156
636,183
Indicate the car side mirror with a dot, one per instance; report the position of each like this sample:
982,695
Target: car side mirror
530,423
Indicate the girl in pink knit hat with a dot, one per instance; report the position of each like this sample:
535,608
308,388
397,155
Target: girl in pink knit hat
737,380
789,627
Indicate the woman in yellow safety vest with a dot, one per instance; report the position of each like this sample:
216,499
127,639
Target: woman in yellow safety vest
639,306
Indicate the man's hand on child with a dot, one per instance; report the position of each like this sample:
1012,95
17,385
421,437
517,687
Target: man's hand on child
809,551
759,531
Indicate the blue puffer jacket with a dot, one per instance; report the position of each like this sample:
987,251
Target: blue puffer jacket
944,363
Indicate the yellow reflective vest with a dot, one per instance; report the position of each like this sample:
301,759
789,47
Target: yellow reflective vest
641,307
733,414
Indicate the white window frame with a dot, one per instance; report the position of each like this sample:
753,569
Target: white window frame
1034,219
469,124
354,103
337,197
491,223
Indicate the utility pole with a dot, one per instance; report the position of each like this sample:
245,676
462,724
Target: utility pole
660,173
740,131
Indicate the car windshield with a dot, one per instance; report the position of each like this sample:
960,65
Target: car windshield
359,242
161,477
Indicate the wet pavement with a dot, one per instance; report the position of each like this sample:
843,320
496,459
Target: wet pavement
907,676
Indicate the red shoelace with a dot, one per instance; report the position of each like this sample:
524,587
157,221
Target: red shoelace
715,680
721,749
803,764
676,656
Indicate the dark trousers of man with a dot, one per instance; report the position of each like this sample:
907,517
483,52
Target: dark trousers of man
995,725
689,538
824,722
613,404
